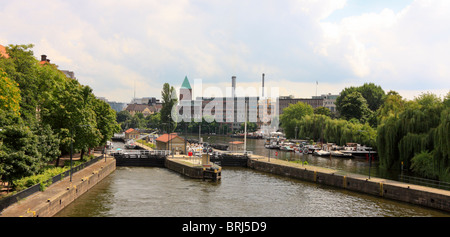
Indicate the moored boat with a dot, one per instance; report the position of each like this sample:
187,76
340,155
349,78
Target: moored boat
321,153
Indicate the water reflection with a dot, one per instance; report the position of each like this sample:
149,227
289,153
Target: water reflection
351,165
159,192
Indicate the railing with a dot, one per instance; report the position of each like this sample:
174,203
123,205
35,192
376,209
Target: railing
9,200
424,182
143,152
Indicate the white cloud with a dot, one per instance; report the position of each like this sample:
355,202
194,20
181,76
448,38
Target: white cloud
112,45
402,51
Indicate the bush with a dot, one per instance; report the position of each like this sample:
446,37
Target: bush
43,179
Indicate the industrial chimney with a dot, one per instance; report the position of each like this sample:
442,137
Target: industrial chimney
263,85
233,86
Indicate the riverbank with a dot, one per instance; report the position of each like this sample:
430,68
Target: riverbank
409,193
49,202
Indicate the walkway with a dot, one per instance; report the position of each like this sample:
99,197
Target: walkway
25,207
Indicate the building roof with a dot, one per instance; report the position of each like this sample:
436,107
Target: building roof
186,84
166,138
129,130
3,51
140,107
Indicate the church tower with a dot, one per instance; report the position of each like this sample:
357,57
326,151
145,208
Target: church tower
185,90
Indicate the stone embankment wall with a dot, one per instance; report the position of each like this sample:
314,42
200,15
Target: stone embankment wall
59,195
414,194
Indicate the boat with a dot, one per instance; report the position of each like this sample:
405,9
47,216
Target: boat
321,153
357,150
287,147
274,142
340,154
130,144
312,148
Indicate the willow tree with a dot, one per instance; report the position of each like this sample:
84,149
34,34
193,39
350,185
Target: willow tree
291,116
418,135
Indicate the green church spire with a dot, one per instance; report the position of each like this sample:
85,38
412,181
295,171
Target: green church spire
186,84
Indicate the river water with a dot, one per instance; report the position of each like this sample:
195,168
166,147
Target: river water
242,192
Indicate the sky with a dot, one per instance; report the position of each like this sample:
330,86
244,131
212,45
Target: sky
304,47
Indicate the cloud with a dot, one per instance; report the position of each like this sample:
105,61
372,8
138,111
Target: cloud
401,51
116,46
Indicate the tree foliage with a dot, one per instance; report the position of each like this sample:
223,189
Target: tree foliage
169,100
291,116
42,112
360,102
416,132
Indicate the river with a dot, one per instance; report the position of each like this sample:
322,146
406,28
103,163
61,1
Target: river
242,192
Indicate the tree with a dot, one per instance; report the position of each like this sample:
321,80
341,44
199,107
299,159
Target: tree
169,100
374,97
123,116
20,154
291,116
355,106
21,66
106,120
322,110
392,106
9,94
418,137
373,94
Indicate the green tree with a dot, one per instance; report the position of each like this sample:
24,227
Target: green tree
355,106
373,94
123,116
20,154
322,110
21,66
9,95
291,116
169,100
106,120
418,137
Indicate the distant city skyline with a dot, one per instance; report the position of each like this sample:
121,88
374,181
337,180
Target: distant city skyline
124,49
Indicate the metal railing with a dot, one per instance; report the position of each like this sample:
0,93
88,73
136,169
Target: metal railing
143,152
424,182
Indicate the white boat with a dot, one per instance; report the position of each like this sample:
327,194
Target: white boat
312,148
340,154
321,153
130,144
357,150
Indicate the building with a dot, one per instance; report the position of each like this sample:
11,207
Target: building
132,134
285,101
144,109
44,60
329,101
231,111
185,90
171,142
69,74
3,52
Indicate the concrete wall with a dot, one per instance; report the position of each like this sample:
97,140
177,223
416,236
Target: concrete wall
60,200
192,172
423,196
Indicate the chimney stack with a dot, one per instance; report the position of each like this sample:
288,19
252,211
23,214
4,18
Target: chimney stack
263,85
233,85
43,58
